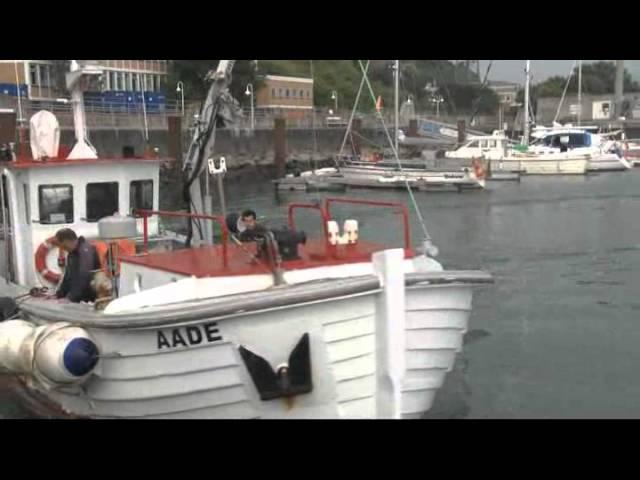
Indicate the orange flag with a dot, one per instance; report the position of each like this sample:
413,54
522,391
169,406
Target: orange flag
379,103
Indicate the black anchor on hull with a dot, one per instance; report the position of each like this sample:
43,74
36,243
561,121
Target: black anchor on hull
290,379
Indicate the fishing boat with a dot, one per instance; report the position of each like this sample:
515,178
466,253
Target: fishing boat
331,326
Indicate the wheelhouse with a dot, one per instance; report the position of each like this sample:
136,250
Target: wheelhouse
42,197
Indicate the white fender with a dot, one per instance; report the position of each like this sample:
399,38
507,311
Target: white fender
213,170
14,334
349,235
350,230
58,354
334,232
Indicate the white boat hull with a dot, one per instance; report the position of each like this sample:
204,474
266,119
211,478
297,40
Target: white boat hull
608,163
379,177
138,378
536,166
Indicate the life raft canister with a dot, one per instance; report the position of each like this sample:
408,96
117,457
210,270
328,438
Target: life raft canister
41,260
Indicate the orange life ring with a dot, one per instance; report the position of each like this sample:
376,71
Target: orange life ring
41,260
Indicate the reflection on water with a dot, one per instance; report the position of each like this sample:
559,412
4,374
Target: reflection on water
557,335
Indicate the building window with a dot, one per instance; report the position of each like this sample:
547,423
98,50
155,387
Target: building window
308,93
33,74
136,82
301,94
280,92
102,200
40,75
273,93
56,204
141,195
158,83
112,81
150,83
287,93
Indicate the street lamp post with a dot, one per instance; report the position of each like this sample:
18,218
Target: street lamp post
334,97
22,136
437,100
249,91
180,90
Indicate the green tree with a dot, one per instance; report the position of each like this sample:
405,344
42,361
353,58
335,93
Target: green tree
597,78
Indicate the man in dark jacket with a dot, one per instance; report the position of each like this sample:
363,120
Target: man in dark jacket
82,262
250,228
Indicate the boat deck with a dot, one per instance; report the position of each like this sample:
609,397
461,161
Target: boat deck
207,261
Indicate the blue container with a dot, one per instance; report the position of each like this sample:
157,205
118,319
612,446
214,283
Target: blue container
12,89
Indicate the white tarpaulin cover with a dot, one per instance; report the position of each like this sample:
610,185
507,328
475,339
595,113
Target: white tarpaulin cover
45,135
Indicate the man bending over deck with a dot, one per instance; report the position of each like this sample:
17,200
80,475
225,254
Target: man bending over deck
82,262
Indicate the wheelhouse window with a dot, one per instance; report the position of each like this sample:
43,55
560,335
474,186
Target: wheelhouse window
102,200
55,204
141,195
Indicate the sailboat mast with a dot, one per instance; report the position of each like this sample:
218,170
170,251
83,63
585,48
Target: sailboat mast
397,90
525,139
579,91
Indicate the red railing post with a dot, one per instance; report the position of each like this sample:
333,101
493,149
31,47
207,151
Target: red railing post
162,213
225,234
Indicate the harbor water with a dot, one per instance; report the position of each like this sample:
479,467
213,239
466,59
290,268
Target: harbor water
557,335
